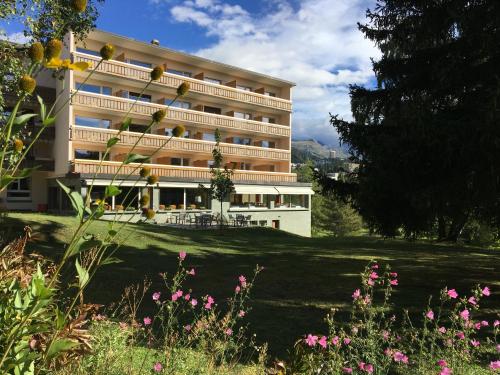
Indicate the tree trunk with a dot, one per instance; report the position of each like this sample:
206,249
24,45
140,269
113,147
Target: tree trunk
456,228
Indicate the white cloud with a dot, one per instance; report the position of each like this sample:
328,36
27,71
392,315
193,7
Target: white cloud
15,38
318,46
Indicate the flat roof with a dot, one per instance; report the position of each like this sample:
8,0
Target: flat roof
201,61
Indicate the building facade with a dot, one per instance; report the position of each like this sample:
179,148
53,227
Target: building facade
252,111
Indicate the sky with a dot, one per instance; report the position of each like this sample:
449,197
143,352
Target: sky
314,43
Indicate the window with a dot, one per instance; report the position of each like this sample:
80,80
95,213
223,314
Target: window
96,89
19,190
179,161
213,80
269,120
137,96
88,51
242,141
246,116
90,155
244,88
179,72
267,93
92,122
268,144
215,110
178,104
139,63
211,163
209,137
138,128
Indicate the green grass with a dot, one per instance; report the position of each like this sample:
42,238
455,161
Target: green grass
303,277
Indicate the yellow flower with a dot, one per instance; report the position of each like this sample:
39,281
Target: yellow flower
178,131
18,145
145,172
183,89
157,73
53,49
153,179
36,52
107,52
150,213
79,5
57,63
159,115
27,84
145,200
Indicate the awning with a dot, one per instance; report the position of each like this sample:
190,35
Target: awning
295,190
129,183
273,190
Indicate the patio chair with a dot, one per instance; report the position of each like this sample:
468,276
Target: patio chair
246,220
232,220
181,219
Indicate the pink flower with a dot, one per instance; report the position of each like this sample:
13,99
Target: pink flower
347,370
446,371
464,314
182,255
361,365
442,330
495,365
228,331
311,340
477,326
486,291
394,282
347,341
442,363
156,296
336,341
375,266
496,323
430,315
175,297
498,348
356,294
394,274
191,272
400,357
157,367
188,327
243,281
187,297
484,323
472,301
385,335
370,282
374,275
369,368
367,300
322,342
147,321
452,293
179,293
208,306
210,300
237,289
241,314
461,335
194,302
475,343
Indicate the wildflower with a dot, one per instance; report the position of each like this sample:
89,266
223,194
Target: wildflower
347,370
442,363
157,73
464,314
369,368
174,297
27,84
475,343
156,296
394,274
36,52
442,330
477,326
145,172
182,255
178,131
157,367
400,357
79,5
472,301
237,289
150,213
311,340
229,332
322,342
446,371
243,281
452,293
430,315
153,179
375,266
385,335
53,49
18,145
374,275
194,302
486,291
394,282
187,297
356,294
367,300
347,341
192,272
183,89
484,323
241,314
460,335
188,327
370,282
144,200
336,341
147,321
209,303
107,51
498,348
496,323
179,293
495,365
159,115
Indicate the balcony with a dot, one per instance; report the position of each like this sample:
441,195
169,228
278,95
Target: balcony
88,135
171,171
186,116
172,81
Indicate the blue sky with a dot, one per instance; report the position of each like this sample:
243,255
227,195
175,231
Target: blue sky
314,43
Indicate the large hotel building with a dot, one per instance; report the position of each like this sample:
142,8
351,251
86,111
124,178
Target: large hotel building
252,111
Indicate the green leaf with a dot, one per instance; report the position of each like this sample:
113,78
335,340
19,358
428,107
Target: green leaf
75,198
83,275
84,245
126,124
59,346
6,180
112,141
26,172
132,158
49,121
43,108
110,260
23,119
112,191
60,320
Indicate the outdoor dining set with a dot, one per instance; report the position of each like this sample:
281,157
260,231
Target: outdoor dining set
208,219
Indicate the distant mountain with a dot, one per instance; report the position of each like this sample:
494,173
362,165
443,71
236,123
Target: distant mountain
312,149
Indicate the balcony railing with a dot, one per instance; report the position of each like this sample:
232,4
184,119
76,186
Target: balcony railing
113,103
187,173
124,70
101,136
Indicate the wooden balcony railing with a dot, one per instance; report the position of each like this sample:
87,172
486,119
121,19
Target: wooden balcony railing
187,173
187,116
124,70
101,136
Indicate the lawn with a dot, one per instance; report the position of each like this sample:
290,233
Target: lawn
303,277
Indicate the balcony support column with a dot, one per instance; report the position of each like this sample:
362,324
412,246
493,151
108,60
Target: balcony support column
156,198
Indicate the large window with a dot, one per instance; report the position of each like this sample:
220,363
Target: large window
269,120
246,116
267,93
242,141
137,96
92,122
96,89
172,198
179,104
179,72
209,109
89,155
197,199
168,133
139,63
268,144
19,190
179,161
209,137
